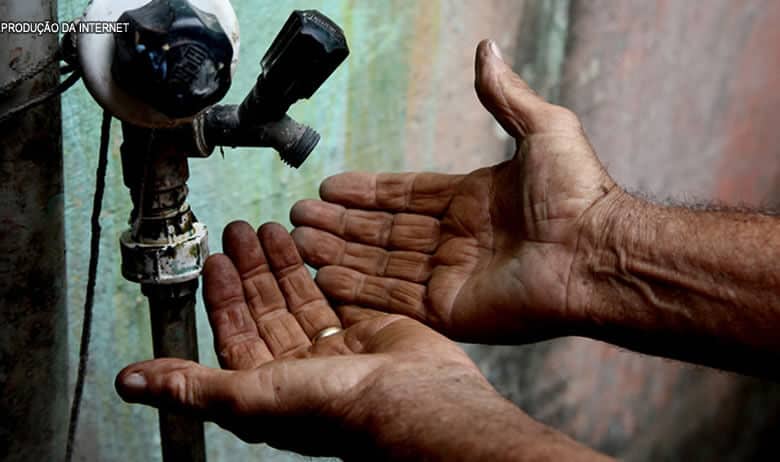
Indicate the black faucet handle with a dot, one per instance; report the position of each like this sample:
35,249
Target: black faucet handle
305,53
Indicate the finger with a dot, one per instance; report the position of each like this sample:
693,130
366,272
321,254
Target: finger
209,394
402,231
353,314
511,101
180,386
372,331
236,339
362,327
426,193
279,388
365,331
275,324
240,243
386,294
355,336
304,299
319,248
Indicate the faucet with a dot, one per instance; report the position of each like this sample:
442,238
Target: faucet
162,75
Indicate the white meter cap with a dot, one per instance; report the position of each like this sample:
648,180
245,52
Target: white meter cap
96,53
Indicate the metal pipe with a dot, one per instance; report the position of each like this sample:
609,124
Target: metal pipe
33,319
172,310
164,251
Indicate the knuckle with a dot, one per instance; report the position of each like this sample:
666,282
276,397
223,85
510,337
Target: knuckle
180,387
176,387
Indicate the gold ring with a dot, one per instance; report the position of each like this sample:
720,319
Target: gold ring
327,332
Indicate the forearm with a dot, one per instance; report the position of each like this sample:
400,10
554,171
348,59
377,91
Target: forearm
462,423
700,286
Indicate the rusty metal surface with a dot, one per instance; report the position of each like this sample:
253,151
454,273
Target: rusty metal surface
164,250
174,335
33,354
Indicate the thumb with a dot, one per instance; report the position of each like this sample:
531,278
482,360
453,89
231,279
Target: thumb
511,101
276,388
180,386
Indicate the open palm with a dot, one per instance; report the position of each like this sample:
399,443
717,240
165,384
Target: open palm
282,385
483,256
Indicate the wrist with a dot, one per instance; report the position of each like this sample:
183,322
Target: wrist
456,417
699,286
607,233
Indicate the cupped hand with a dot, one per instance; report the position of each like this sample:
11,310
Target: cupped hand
480,257
379,386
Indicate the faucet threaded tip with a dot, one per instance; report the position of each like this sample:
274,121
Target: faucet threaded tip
296,155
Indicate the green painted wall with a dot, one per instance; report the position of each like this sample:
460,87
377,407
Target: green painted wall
406,57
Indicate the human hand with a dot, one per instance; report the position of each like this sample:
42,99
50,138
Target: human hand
386,387
484,257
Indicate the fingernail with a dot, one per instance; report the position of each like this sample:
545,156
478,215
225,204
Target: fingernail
496,51
135,381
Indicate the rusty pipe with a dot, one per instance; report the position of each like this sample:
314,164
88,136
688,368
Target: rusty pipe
164,251
172,309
